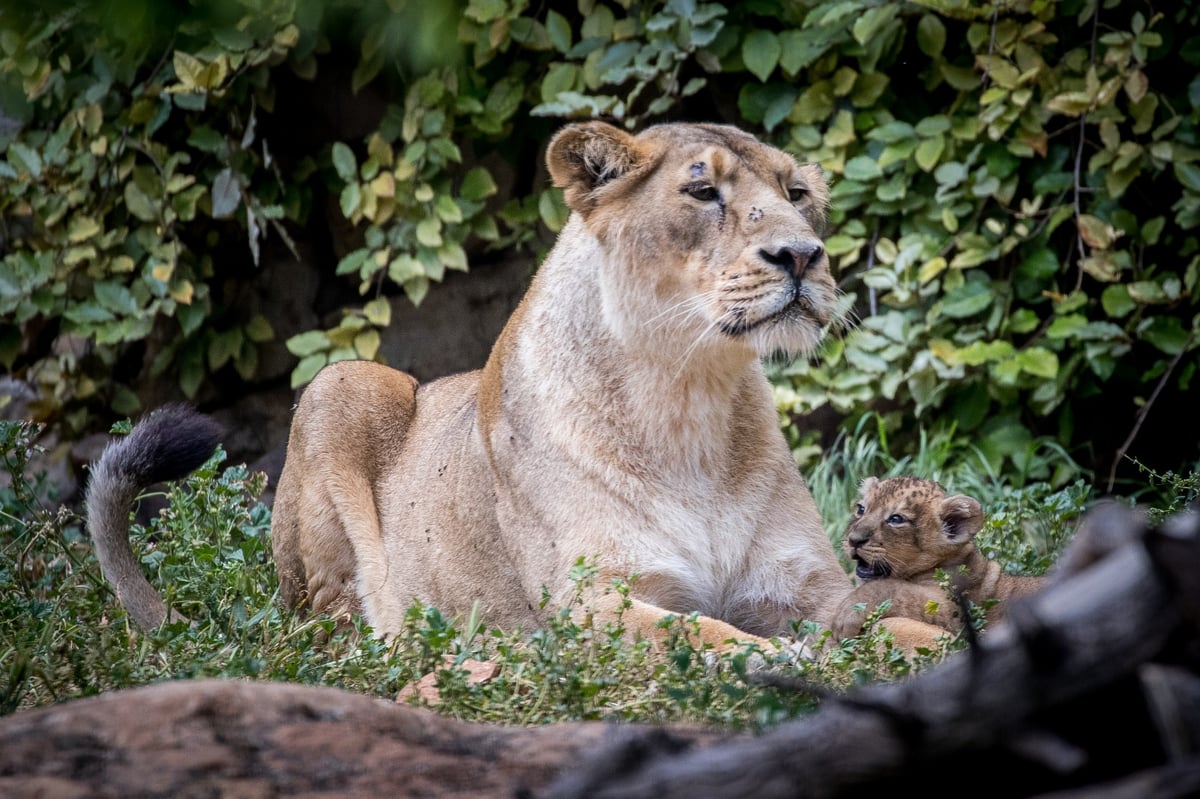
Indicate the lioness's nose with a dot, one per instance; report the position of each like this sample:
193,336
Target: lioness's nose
795,259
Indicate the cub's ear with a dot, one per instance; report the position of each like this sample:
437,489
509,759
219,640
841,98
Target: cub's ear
962,517
867,486
586,157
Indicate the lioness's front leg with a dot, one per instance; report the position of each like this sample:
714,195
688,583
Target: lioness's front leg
645,620
924,603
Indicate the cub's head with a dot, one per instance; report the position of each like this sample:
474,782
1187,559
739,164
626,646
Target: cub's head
904,527
708,234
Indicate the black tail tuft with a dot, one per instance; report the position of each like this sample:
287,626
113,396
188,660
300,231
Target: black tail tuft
170,442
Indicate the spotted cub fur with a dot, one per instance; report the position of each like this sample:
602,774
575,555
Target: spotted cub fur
903,530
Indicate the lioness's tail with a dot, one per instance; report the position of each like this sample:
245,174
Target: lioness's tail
164,445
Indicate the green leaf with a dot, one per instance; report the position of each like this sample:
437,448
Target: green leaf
139,203
559,31
931,35
116,297
968,300
552,209
259,330
448,210
760,53
429,231
929,151
350,200
344,162
1117,302
872,22
1188,174
305,344
225,193
307,369
1166,333
862,168
477,185
416,289
378,312
25,159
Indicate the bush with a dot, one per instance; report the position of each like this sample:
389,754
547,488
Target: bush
1015,195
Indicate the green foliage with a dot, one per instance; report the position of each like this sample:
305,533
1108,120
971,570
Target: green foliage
1011,206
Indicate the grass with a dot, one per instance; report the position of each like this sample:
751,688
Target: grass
62,635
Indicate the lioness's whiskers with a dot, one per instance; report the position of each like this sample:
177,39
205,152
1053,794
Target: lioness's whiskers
680,310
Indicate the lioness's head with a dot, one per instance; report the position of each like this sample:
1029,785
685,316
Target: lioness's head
712,235
904,527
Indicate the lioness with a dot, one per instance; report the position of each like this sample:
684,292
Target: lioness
903,530
623,415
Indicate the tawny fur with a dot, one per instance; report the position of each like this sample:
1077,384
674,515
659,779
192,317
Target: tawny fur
165,445
623,415
902,531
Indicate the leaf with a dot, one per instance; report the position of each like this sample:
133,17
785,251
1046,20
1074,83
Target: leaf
760,53
25,159
448,210
139,204
309,342
350,200
1101,266
1188,174
1117,302
344,162
1070,103
416,289
225,193
116,297
378,312
967,300
307,369
552,209
558,30
862,168
429,231
1096,233
259,330
931,35
366,344
477,185
189,70
1167,334
929,151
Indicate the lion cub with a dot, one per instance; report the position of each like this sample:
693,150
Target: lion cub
902,531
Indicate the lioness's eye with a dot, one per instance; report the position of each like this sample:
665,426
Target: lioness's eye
703,192
895,519
860,510
797,193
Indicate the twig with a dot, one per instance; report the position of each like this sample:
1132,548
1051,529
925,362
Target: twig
1145,410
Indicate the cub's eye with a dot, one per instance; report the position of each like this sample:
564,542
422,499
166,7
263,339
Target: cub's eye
704,192
859,510
797,193
896,519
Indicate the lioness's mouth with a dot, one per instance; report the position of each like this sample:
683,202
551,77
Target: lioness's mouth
871,571
800,307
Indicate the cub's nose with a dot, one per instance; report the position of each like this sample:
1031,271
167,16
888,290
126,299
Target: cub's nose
857,538
794,258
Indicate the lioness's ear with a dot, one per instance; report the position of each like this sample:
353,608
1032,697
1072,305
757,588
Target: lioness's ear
962,517
584,158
